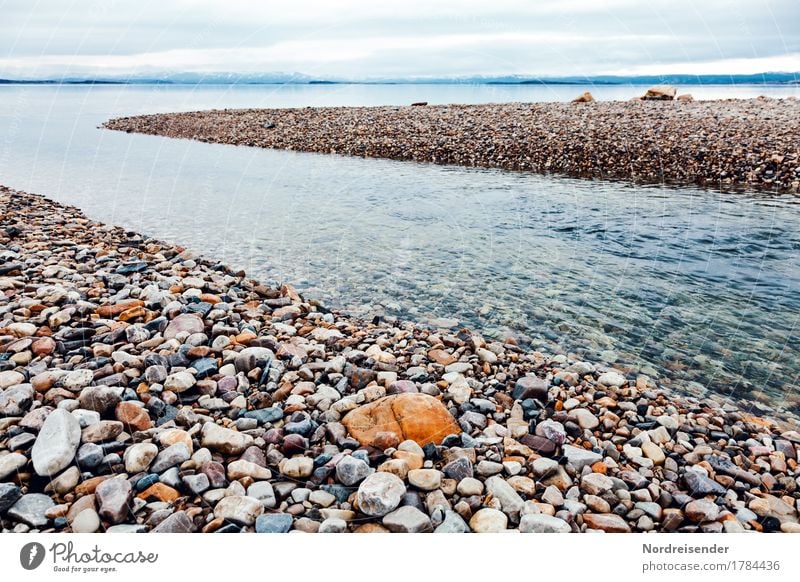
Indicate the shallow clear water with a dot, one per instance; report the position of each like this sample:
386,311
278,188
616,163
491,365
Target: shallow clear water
698,286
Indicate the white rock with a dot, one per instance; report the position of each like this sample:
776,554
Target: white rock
10,464
239,509
138,457
612,378
543,523
225,440
380,494
488,520
56,444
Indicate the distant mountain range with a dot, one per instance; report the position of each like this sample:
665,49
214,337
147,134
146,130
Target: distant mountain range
300,79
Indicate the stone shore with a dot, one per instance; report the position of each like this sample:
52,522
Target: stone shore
144,388
731,144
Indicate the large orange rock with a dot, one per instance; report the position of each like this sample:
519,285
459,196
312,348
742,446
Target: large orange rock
117,308
417,417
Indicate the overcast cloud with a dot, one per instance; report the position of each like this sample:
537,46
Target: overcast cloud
370,39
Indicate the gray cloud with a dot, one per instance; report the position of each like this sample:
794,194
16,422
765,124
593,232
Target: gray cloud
357,38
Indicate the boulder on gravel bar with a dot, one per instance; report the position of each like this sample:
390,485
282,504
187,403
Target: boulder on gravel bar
416,417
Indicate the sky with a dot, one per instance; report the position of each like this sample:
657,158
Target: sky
358,39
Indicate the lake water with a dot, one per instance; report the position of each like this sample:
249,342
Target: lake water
694,286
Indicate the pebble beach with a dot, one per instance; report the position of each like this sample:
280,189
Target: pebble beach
146,388
726,144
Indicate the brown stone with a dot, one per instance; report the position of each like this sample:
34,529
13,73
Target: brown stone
43,346
132,313
607,522
133,416
159,492
584,97
441,357
660,93
417,417
117,308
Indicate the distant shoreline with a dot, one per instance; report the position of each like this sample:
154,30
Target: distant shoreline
748,144
216,78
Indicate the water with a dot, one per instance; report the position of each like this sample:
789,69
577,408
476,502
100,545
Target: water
696,286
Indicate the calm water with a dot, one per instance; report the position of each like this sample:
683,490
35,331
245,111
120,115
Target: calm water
693,285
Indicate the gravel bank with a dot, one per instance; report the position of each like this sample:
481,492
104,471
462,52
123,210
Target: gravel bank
736,144
143,388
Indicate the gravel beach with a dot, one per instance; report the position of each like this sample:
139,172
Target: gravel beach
730,144
145,388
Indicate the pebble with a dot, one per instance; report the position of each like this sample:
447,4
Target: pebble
11,463
139,456
425,479
224,440
580,458
239,509
379,494
31,509
350,471
297,467
57,443
87,521
543,523
407,519
488,520
273,523
113,499
701,510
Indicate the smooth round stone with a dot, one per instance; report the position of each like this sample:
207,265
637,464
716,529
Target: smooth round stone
101,399
552,430
379,494
56,444
297,467
701,510
16,400
488,520
452,523
469,486
77,379
178,522
66,481
274,523
241,468
224,440
10,378
425,479
333,525
139,456
239,509
179,382
350,470
9,493
184,324
653,452
584,418
614,379
11,463
32,509
543,523
87,521
263,491
407,519
196,484
113,499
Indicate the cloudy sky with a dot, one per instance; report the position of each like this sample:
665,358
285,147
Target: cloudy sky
361,39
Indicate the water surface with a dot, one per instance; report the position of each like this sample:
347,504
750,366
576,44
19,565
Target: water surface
697,286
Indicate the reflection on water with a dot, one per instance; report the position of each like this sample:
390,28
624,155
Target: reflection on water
698,286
